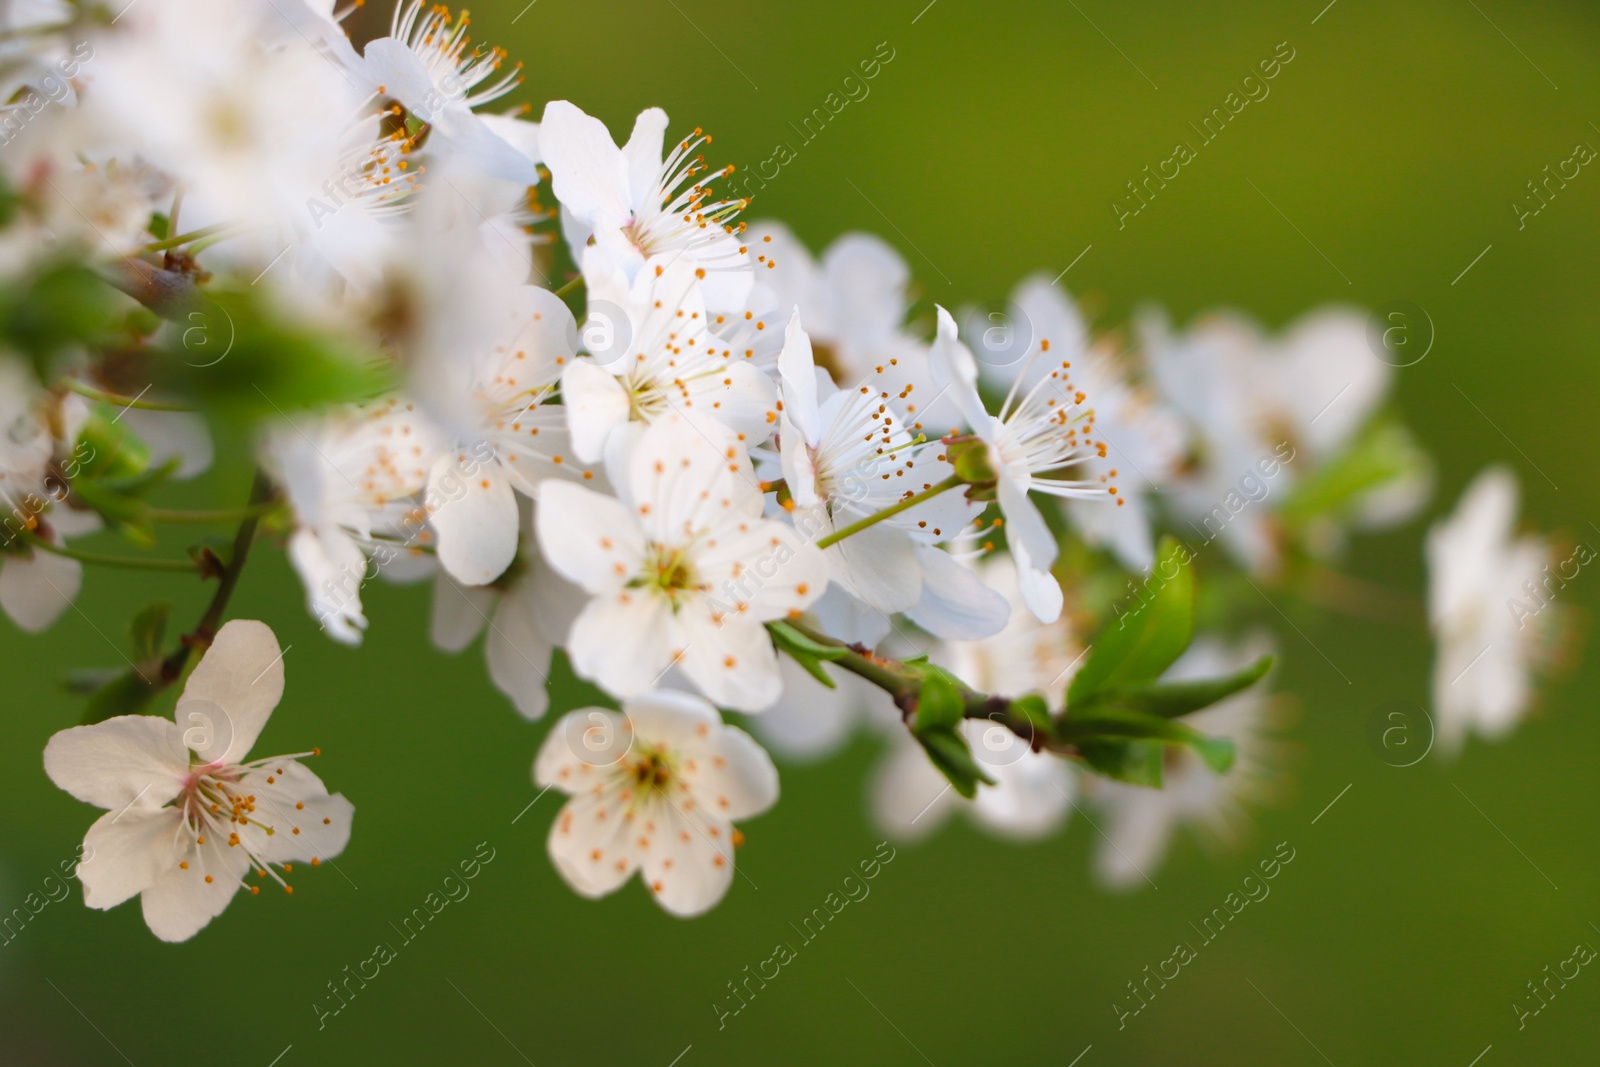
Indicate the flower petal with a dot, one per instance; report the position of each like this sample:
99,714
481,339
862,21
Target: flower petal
459,612
478,529
956,604
588,172
113,763
125,853
689,863
308,823
734,777
586,536
241,675
731,662
182,902
519,654
35,589
623,642
596,403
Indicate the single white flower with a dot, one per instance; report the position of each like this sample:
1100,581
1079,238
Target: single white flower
1033,791
682,569
650,353
425,63
634,204
528,612
1488,608
655,789
187,815
1140,821
846,456
1144,440
1039,442
352,478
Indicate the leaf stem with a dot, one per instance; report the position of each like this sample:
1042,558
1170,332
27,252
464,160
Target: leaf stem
180,566
889,512
570,286
185,238
85,389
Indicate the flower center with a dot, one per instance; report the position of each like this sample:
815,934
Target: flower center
668,571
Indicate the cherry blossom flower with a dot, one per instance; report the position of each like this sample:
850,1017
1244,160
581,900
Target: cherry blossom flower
659,356
845,457
1144,440
1488,593
635,204
655,789
681,569
1036,444
187,815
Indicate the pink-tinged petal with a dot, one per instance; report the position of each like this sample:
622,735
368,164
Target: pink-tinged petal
688,865
732,661
624,641
596,404
643,154
241,675
587,537
116,762
956,605
126,852
732,776
587,170
459,612
35,589
477,518
182,902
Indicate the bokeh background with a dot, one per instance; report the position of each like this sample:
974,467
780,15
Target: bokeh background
990,146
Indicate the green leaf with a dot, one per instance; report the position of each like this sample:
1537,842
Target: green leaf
56,310
126,514
1172,699
1146,639
1111,723
106,448
804,651
126,694
1134,762
948,751
148,629
940,706
246,363
1384,452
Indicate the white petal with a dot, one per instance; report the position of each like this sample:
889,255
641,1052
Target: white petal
596,404
689,863
879,567
587,171
644,158
580,744
623,642
672,718
241,675
733,777
519,654
954,369
585,536
956,604
733,663
113,763
459,612
1034,548
182,902
591,844
799,373
518,133
35,589
296,800
126,852
477,530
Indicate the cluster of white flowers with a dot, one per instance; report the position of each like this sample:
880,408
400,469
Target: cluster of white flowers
731,446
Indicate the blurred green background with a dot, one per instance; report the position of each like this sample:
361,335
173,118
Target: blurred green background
993,143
